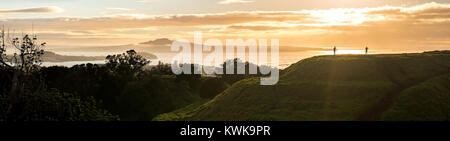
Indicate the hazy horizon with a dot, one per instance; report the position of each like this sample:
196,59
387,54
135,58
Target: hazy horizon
304,28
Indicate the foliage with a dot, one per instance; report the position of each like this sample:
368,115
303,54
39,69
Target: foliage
126,63
52,105
122,86
24,95
29,57
162,69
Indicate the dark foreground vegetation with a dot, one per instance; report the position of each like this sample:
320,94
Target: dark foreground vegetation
121,89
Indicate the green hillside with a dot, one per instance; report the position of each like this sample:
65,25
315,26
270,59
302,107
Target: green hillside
343,87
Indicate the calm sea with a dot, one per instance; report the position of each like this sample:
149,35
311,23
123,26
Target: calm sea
285,58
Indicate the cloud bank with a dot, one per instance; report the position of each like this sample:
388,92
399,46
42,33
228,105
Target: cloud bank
235,1
34,10
424,25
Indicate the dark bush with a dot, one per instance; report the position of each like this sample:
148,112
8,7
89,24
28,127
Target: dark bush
51,105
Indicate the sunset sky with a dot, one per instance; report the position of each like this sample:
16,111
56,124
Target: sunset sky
380,24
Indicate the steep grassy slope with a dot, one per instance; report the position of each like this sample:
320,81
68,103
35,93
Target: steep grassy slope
344,87
429,100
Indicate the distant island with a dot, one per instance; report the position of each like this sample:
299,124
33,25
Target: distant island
54,57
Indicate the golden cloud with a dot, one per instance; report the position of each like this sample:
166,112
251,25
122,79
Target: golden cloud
386,26
33,10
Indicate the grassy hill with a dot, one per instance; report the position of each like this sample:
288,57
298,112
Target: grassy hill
343,87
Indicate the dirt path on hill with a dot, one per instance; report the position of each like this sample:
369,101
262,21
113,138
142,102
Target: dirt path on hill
374,112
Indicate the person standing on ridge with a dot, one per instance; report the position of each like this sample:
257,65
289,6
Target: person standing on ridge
367,50
334,50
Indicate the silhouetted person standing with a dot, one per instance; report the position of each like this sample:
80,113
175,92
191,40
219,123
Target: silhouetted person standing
334,50
367,50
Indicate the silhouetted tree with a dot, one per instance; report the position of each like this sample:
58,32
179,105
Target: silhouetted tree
162,69
129,63
25,61
25,96
27,56
234,76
